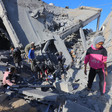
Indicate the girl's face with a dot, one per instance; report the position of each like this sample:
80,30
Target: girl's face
98,45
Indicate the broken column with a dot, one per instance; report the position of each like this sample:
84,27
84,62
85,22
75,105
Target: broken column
83,39
98,22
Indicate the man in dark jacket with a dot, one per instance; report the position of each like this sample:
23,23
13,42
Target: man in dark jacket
16,54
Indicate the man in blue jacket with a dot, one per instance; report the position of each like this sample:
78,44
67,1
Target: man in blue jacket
31,56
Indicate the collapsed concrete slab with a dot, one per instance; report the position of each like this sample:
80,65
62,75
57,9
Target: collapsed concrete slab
38,94
72,107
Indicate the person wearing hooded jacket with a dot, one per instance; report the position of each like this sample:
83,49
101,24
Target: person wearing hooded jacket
96,56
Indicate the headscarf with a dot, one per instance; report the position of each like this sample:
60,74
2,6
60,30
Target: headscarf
97,40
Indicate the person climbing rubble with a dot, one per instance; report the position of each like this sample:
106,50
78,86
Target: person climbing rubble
27,48
31,56
61,60
43,69
16,54
96,55
8,77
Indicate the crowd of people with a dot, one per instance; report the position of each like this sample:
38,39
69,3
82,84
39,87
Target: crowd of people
96,56
41,68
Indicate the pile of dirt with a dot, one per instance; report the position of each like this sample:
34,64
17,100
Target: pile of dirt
14,105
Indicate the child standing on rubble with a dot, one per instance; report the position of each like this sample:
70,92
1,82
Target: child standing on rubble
96,55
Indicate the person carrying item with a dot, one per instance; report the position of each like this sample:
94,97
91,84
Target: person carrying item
96,55
61,60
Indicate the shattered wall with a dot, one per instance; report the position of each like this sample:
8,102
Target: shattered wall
106,30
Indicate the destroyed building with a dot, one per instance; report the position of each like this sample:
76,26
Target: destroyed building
56,29
27,21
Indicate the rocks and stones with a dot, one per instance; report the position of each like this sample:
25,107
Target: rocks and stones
36,93
20,105
3,97
72,106
63,86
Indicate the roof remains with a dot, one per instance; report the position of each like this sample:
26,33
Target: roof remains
50,20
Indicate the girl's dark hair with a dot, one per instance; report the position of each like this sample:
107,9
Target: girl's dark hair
7,69
12,69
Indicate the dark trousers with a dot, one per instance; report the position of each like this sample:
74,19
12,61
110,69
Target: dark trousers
92,74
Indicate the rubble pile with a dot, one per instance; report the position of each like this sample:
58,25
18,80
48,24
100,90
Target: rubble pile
14,105
73,93
75,47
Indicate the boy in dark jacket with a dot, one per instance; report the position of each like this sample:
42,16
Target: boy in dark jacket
16,54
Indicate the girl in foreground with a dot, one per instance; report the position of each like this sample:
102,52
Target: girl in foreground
96,55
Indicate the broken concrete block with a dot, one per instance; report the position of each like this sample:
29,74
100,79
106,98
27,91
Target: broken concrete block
1,75
3,97
63,86
3,58
3,64
61,99
36,93
74,107
96,106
